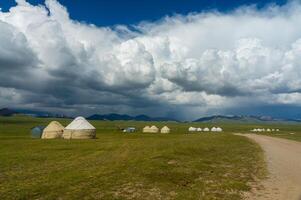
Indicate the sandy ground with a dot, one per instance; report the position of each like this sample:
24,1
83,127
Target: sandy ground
284,164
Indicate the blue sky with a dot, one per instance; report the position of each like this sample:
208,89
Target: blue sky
112,12
216,57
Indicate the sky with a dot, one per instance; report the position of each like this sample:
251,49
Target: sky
180,59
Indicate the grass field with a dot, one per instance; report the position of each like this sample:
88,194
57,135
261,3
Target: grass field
128,166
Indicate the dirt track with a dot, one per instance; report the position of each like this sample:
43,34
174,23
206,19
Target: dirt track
284,165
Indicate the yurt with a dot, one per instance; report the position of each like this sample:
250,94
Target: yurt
199,129
273,129
213,129
206,129
79,128
192,129
53,130
165,129
219,129
254,130
277,129
153,129
146,129
268,130
36,132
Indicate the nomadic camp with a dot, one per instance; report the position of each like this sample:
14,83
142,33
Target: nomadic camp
129,130
165,129
192,129
206,129
79,128
199,129
53,130
36,132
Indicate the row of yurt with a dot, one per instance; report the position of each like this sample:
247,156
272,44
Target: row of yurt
213,129
79,128
265,130
154,129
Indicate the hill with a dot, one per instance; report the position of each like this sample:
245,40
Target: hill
244,119
116,117
7,112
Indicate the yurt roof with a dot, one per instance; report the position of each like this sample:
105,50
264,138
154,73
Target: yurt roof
80,123
154,127
165,128
54,126
147,127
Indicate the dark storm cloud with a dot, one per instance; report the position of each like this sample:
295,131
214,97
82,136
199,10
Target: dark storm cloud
181,65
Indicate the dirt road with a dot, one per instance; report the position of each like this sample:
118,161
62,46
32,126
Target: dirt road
284,165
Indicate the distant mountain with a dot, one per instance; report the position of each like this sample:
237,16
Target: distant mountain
242,119
7,112
10,112
115,117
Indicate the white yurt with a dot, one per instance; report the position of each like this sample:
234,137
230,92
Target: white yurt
79,128
146,129
199,129
165,129
213,129
254,130
154,129
219,129
206,129
53,130
192,129
273,129
268,130
277,130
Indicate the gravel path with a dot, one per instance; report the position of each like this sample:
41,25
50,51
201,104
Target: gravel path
284,164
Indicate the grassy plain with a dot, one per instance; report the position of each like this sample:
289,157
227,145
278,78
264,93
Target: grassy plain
127,166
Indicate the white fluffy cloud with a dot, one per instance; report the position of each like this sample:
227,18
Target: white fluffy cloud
203,63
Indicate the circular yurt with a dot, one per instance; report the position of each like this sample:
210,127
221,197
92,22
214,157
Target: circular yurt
146,129
53,130
206,129
192,129
219,129
199,129
165,129
213,129
79,128
37,132
268,130
154,129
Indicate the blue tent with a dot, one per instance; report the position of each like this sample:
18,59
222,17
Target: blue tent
129,130
36,132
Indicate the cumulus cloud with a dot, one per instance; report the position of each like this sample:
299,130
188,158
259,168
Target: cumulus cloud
184,66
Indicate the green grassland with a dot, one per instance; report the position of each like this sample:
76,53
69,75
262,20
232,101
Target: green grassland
129,166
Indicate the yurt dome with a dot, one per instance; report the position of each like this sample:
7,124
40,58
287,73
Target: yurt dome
206,129
79,128
165,129
191,129
53,130
219,129
213,129
268,130
37,132
146,129
199,129
154,129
